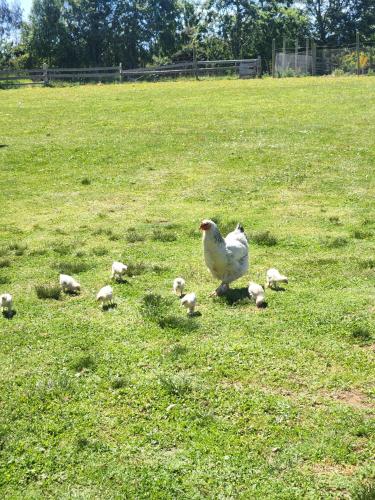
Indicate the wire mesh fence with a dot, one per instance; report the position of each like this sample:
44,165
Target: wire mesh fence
312,59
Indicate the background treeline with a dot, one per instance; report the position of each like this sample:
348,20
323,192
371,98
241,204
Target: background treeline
80,33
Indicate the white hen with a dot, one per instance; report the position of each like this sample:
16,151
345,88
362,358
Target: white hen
274,278
178,286
227,259
118,270
256,292
189,301
69,284
105,295
6,302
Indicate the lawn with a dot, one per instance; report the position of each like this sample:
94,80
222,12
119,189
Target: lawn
141,401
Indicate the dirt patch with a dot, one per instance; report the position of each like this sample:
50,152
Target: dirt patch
353,398
330,469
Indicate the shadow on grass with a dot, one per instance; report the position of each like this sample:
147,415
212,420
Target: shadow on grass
176,323
9,314
121,281
235,296
108,307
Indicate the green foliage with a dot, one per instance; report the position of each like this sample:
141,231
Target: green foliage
71,266
160,235
264,238
48,291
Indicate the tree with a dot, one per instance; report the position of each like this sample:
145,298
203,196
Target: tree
10,23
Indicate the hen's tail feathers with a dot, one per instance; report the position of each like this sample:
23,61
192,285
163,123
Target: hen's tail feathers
240,228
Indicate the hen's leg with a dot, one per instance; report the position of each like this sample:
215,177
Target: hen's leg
221,290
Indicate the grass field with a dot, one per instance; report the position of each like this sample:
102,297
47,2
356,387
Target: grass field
141,401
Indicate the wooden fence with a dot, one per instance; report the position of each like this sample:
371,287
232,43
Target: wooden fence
245,68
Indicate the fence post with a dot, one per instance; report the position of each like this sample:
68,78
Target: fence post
45,74
313,54
357,49
259,67
120,72
307,56
273,57
195,65
284,52
295,55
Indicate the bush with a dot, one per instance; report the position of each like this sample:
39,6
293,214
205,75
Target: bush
175,385
264,238
136,268
71,267
18,248
133,236
160,235
337,242
48,291
99,251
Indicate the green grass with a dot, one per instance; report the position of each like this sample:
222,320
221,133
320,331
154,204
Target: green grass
141,401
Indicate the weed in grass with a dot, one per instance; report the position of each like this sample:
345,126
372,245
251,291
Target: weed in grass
4,263
3,251
100,251
171,225
101,230
48,291
118,382
158,269
175,385
4,280
366,492
114,237
71,267
360,235
368,222
83,363
80,254
154,306
136,268
337,242
63,249
367,264
37,252
361,334
18,248
160,235
264,238
177,351
134,236
86,181
59,230
334,220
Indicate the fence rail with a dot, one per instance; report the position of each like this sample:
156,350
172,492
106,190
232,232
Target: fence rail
245,68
